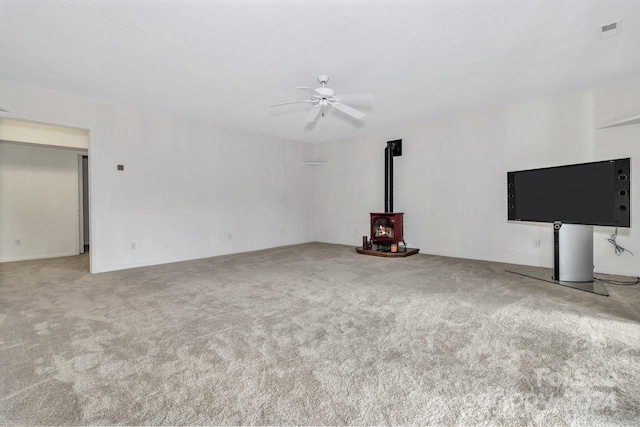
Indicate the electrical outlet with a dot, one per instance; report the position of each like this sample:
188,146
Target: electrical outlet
133,246
536,243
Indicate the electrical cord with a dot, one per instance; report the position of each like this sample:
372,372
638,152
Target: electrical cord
619,250
618,282
616,247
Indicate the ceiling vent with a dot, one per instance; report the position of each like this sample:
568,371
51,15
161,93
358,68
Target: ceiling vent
611,29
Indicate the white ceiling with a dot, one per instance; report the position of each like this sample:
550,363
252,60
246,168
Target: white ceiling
225,61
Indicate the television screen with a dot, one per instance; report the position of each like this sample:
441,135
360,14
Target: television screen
595,193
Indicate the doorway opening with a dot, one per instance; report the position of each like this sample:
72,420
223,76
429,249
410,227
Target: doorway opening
56,157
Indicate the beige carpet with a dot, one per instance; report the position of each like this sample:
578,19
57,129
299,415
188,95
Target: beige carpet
313,334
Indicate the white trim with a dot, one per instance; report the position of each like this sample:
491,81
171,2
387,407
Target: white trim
41,256
80,240
39,120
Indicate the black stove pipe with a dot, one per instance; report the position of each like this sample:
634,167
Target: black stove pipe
388,177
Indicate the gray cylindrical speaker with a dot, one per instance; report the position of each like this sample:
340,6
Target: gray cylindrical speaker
576,253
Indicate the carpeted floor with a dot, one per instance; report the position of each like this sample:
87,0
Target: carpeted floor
313,334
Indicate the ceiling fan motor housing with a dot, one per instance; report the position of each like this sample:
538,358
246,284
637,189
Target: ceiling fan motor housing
325,92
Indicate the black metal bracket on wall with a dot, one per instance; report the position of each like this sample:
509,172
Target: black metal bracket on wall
397,147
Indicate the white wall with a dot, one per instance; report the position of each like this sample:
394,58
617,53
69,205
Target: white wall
187,186
38,202
451,178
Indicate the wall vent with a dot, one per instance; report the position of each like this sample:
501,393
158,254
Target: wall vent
611,29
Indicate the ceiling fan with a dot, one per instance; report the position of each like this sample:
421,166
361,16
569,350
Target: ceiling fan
324,97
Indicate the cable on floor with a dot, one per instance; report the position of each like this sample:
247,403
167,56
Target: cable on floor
617,282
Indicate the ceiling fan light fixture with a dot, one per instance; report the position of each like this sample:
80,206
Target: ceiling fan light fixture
324,97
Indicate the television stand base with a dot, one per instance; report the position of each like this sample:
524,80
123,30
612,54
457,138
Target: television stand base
546,275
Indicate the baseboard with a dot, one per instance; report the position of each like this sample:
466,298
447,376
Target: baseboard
40,256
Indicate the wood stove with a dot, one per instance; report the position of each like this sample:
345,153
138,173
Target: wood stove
387,228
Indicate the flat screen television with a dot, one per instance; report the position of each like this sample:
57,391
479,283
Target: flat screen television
596,193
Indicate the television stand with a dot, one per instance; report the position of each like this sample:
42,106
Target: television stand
572,259
572,252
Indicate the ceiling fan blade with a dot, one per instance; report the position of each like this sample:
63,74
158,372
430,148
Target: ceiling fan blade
306,89
355,97
290,102
348,110
313,114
